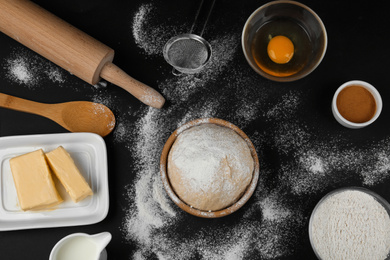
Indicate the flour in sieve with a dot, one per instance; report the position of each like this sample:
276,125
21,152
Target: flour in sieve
179,89
351,225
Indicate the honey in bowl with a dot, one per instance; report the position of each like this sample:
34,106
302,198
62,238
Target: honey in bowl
356,104
281,47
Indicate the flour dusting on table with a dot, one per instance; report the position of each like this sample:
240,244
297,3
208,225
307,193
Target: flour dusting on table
149,34
29,69
151,218
295,164
270,225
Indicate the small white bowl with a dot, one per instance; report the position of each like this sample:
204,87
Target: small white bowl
371,89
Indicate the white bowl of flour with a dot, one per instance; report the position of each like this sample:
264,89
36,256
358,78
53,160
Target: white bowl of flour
351,223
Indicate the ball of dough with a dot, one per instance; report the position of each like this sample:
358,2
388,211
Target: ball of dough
210,167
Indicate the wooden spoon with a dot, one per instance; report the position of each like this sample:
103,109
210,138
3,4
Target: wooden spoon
75,116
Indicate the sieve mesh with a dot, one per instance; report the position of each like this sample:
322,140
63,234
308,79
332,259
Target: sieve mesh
188,53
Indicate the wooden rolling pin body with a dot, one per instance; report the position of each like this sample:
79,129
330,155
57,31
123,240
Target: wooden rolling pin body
68,47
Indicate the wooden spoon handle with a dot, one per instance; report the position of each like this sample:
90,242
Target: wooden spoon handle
23,105
144,93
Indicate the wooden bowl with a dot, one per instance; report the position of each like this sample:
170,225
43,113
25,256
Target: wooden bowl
171,193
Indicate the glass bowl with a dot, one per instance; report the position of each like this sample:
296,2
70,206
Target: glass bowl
301,15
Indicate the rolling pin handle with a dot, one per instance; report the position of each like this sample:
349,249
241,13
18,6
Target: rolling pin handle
144,93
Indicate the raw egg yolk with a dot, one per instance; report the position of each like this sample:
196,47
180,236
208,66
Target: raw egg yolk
280,49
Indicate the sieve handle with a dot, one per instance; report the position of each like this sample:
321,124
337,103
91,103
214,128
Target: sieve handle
202,17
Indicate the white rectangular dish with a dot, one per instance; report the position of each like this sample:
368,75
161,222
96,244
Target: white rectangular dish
90,156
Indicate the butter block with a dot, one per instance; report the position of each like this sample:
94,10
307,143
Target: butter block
69,175
33,181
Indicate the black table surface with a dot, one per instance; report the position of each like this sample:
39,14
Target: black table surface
304,153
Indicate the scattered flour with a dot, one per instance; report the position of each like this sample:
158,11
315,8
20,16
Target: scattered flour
18,70
55,75
289,104
100,84
271,209
150,35
139,22
29,69
151,220
273,225
320,165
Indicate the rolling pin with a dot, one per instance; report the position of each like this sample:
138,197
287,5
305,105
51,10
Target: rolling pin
69,48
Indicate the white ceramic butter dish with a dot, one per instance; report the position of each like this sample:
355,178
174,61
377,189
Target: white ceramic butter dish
89,153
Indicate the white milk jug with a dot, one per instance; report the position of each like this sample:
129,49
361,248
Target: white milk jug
81,246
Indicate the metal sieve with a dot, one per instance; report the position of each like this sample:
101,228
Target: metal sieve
189,53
